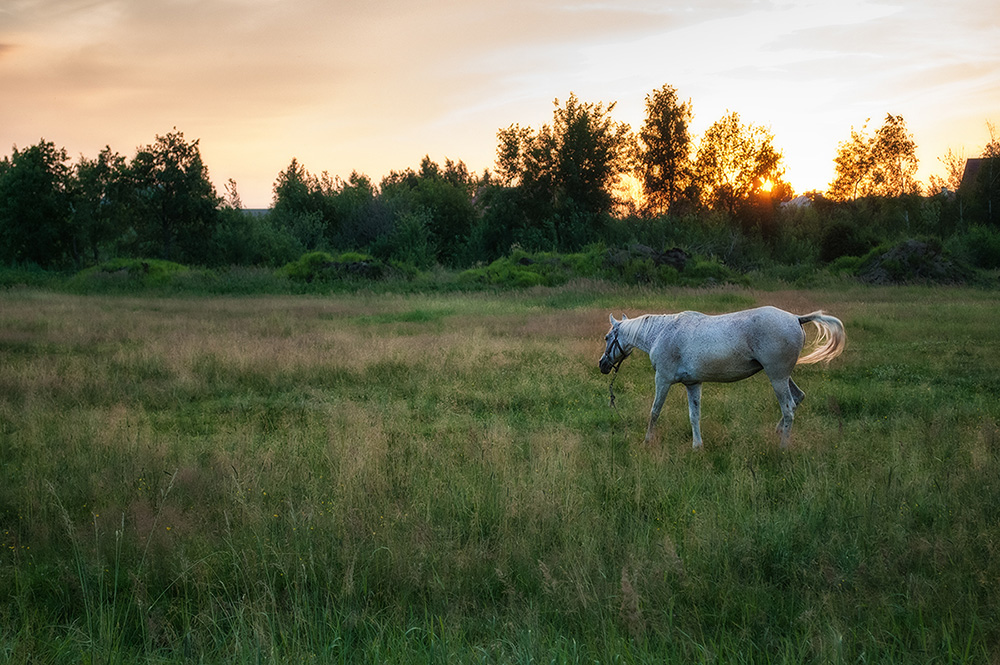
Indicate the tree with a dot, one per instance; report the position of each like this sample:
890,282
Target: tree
895,158
954,167
360,214
440,199
664,162
35,221
565,172
100,200
305,206
882,164
173,189
512,143
737,163
296,191
853,163
232,199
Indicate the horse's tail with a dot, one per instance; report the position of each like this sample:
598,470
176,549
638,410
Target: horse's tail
831,341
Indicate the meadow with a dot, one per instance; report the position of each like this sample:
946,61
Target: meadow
380,478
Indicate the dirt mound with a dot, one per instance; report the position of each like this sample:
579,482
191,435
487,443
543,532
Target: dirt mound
913,261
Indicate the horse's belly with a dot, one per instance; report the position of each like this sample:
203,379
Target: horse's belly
719,371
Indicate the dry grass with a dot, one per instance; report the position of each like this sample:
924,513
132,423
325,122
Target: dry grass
403,476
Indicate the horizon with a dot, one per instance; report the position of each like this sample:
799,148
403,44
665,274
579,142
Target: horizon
375,89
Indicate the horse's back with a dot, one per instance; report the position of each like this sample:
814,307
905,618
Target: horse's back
757,323
730,347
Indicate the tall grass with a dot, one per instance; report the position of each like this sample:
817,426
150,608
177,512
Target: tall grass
439,478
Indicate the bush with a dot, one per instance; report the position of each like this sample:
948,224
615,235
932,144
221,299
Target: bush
711,271
520,270
307,229
979,246
323,267
26,275
846,265
411,241
252,240
635,265
132,273
842,239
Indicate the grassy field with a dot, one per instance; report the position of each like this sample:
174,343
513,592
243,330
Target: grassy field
440,478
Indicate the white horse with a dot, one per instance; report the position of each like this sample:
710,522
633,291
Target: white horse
691,348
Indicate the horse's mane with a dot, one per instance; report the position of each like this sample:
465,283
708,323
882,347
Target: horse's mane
644,325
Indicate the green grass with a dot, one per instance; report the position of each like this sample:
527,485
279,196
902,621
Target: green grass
439,478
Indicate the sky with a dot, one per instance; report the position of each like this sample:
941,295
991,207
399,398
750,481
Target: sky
374,86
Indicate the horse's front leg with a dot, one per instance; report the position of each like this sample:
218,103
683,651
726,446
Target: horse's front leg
662,386
694,412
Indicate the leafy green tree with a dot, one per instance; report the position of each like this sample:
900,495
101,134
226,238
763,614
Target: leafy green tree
665,146
503,223
296,191
441,199
736,164
245,238
565,171
882,164
359,212
35,210
409,241
174,193
854,161
895,158
306,205
100,201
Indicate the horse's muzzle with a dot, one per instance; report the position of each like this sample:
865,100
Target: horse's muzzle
605,364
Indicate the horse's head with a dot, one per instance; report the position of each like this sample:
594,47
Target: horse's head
615,352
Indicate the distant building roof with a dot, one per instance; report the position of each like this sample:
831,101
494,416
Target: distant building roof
971,171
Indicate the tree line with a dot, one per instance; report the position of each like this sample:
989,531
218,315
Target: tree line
582,179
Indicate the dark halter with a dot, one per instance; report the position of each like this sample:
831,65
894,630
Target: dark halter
615,344
611,387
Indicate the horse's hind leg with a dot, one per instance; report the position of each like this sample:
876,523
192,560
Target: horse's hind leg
787,401
797,394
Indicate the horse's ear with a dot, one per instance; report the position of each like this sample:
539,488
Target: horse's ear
624,316
611,317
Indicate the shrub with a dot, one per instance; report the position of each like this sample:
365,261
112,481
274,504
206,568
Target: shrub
846,265
248,239
131,273
26,275
520,270
979,246
842,239
411,241
635,265
711,271
307,267
323,267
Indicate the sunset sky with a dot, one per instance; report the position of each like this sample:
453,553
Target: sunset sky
374,86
